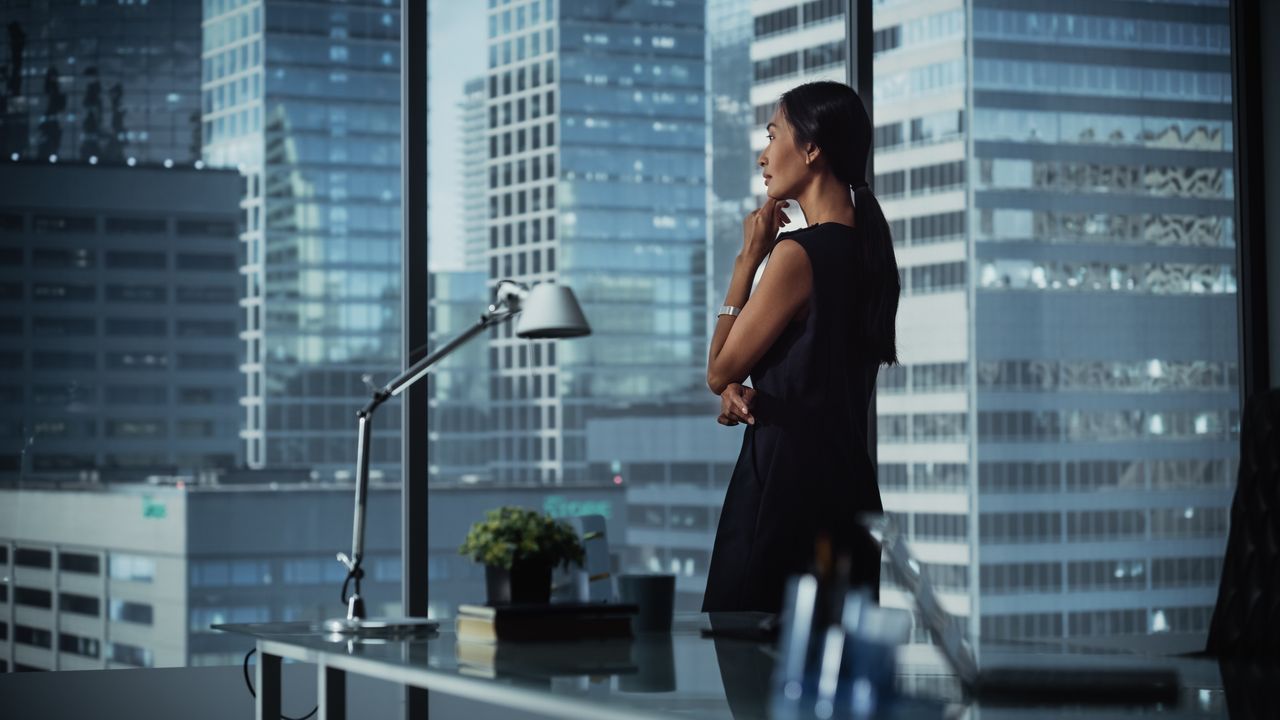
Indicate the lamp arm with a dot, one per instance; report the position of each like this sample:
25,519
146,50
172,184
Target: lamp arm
506,307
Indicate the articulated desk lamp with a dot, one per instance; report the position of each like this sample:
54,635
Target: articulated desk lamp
546,311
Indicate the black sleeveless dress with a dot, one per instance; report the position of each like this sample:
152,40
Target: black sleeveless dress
804,469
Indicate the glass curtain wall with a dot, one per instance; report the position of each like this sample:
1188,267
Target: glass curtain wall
199,263
587,127
1061,439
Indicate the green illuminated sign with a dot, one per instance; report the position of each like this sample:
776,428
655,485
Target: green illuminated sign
153,509
558,506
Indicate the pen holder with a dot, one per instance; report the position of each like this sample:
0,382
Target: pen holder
835,663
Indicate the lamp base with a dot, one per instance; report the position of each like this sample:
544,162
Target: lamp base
380,626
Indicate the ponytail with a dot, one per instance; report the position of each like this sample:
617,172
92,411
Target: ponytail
880,285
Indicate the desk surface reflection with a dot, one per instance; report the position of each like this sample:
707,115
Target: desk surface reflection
726,675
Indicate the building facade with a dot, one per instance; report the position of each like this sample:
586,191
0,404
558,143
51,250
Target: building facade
133,575
116,83
120,319
597,179
1060,440
303,98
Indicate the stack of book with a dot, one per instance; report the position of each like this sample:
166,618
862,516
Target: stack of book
544,623
545,640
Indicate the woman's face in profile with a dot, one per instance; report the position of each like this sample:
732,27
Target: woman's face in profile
782,162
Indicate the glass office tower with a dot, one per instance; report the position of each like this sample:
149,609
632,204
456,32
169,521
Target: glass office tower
1065,421
597,178
113,83
1061,437
303,97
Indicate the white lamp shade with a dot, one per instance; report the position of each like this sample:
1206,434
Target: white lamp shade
551,311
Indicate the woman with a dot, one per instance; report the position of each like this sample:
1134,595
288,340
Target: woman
811,337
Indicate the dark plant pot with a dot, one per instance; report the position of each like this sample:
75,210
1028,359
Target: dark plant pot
523,584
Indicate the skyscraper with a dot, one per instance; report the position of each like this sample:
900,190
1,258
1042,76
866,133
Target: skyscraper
597,178
473,176
111,82
119,287
1060,439
303,98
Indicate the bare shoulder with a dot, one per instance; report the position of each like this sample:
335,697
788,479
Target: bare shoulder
789,256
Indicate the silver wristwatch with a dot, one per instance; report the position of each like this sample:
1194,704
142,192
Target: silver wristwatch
729,310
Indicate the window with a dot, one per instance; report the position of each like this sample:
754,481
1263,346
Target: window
79,563
33,558
77,645
131,655
132,567
32,597
79,604
35,637
132,612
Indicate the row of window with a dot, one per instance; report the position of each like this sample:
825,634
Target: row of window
46,326
1106,425
939,177
517,141
803,14
808,60
935,278
1095,475
150,294
115,225
931,427
522,263
928,229
85,258
119,610
520,202
1163,229
923,378
1101,525
117,395
923,130
88,464
1153,375
1147,278
1164,181
141,361
1106,80
1096,31
520,48
513,81
923,477
1100,575
121,566
1097,623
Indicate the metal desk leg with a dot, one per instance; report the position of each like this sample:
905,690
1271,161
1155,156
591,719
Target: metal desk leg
268,686
331,691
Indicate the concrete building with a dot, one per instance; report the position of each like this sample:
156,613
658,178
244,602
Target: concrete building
120,320
304,98
1060,439
132,575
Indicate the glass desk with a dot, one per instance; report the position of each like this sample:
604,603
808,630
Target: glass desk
682,674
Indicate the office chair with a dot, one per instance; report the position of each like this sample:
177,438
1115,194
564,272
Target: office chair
1246,619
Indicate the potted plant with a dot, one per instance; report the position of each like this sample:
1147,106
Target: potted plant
519,548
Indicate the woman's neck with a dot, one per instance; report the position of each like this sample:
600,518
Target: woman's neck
826,199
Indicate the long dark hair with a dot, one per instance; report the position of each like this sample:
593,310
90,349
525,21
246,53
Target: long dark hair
831,116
